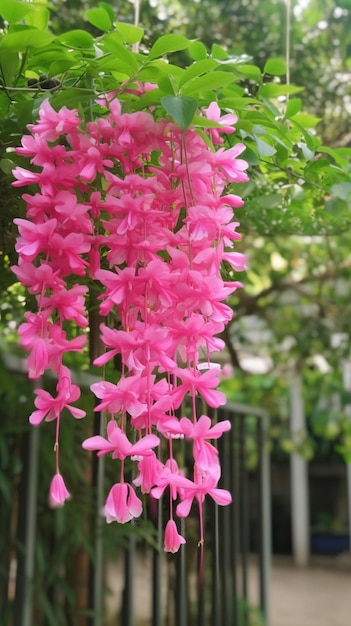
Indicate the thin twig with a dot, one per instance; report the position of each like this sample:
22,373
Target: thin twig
135,47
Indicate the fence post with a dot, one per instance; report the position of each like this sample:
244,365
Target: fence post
299,480
265,505
23,613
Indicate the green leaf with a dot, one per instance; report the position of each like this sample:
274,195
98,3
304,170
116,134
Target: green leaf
219,53
150,98
72,97
154,71
208,82
25,37
341,156
13,11
238,104
130,34
275,67
23,109
274,90
205,66
168,84
342,191
182,110
204,122
99,18
129,60
109,10
270,200
308,138
250,71
167,44
76,39
197,50
306,120
264,149
10,67
6,166
293,107
307,153
250,156
39,18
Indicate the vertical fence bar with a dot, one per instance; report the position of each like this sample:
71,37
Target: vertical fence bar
240,513
181,583
96,576
235,515
128,591
156,570
215,596
216,605
244,502
201,579
265,514
27,530
225,527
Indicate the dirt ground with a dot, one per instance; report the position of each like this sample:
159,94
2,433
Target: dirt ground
318,595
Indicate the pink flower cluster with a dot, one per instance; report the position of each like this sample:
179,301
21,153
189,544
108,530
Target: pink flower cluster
141,207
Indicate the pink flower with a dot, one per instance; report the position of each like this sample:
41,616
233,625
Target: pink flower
119,286
226,121
50,408
122,504
193,382
71,214
34,238
205,455
119,445
38,359
194,332
69,303
154,237
173,540
121,397
231,168
150,469
66,253
53,123
172,477
203,485
58,494
37,278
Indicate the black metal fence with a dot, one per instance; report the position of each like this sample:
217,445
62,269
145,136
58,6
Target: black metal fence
182,594
221,594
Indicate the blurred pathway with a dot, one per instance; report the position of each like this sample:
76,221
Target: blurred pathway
319,595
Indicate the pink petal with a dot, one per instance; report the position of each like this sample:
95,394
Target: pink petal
213,398
77,413
173,540
97,443
145,444
183,508
37,417
116,504
135,505
58,493
221,496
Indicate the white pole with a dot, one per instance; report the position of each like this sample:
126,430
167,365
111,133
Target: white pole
347,387
299,480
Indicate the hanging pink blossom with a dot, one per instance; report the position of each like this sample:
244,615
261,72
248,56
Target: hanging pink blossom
58,493
141,208
173,540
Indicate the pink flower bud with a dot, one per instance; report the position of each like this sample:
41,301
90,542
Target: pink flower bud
173,540
58,492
